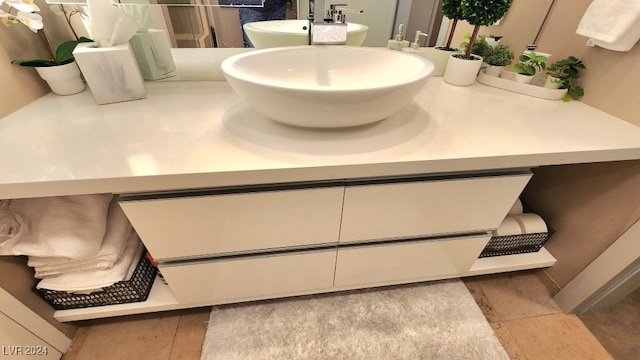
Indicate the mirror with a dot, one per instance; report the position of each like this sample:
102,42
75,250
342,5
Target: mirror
216,23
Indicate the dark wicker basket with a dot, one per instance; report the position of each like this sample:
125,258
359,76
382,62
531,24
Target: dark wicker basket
135,289
516,244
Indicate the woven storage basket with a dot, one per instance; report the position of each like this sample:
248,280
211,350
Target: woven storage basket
516,244
135,289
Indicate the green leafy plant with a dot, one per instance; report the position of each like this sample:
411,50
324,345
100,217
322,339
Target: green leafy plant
530,63
566,71
482,13
480,46
452,10
500,55
25,12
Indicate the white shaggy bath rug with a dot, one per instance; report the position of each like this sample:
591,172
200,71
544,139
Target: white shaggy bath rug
436,320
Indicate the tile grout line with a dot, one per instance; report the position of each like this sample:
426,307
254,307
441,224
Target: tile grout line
175,333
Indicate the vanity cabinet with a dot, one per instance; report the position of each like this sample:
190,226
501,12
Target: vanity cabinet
244,243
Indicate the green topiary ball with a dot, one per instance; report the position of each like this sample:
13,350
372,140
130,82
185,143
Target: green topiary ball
484,12
452,9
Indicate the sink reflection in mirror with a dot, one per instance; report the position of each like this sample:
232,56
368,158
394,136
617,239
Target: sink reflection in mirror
267,34
327,86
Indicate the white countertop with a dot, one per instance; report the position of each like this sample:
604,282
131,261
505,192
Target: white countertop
192,134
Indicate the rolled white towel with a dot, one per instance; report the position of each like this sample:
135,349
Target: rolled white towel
531,223
60,226
82,281
517,207
508,227
115,239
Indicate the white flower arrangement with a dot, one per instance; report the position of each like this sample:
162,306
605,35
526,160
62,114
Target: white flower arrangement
25,12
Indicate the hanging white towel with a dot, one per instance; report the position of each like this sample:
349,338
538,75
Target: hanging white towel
613,24
60,226
83,281
115,239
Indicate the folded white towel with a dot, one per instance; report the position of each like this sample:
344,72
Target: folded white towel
82,281
115,239
609,20
60,226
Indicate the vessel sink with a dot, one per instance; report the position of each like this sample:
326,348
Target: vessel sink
268,34
327,86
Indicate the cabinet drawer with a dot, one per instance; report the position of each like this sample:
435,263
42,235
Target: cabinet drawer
250,278
425,208
213,224
407,261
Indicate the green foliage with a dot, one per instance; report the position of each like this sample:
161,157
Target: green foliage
484,12
530,63
480,47
566,71
452,9
501,55
64,55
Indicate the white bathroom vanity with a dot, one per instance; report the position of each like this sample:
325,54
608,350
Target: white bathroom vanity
237,207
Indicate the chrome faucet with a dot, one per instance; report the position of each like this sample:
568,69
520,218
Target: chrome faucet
326,31
316,8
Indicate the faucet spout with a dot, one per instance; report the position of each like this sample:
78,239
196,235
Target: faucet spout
316,11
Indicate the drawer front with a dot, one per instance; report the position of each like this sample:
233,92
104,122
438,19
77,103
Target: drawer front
204,225
427,208
407,261
250,278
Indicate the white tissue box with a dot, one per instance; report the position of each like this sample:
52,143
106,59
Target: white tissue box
112,72
153,53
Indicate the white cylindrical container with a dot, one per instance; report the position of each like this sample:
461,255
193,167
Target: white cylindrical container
493,70
524,79
439,58
462,72
552,82
62,79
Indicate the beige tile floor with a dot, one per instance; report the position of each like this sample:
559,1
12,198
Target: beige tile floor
517,305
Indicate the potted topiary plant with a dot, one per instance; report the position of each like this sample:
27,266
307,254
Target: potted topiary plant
528,66
497,58
462,69
440,55
562,73
60,70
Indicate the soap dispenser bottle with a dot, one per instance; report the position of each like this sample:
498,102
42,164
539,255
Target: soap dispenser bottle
399,42
415,47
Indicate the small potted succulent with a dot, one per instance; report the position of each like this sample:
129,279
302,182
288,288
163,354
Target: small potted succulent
497,58
528,66
562,73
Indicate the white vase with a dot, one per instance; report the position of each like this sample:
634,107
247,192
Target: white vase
462,72
524,79
62,79
439,58
493,70
552,82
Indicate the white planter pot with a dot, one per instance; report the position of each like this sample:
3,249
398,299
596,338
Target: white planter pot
524,79
63,79
440,58
462,72
493,70
552,82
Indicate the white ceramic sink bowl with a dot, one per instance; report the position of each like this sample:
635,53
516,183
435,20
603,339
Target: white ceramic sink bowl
327,86
267,34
